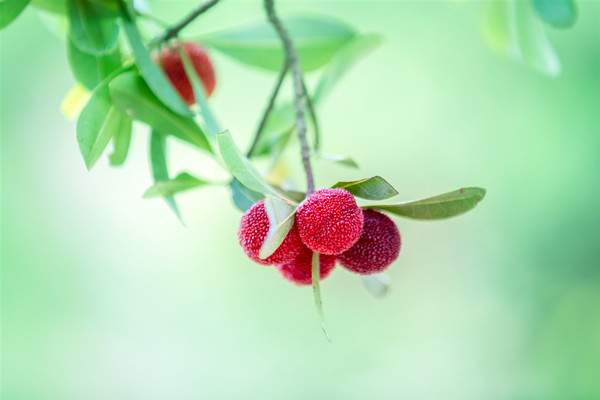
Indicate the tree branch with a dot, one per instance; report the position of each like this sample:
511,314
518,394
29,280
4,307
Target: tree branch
268,109
313,117
299,93
175,29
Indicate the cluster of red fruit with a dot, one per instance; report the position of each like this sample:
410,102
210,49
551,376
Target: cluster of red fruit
330,223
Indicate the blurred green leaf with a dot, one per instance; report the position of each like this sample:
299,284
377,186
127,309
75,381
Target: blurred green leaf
97,123
132,96
438,207
558,13
340,159
153,75
511,28
88,69
90,31
182,182
10,10
281,220
316,39
377,285
121,142
358,48
374,188
240,167
242,197
159,167
54,6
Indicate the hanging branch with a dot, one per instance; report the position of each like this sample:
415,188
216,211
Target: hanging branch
268,109
299,92
175,29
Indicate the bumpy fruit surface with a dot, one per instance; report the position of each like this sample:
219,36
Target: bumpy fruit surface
377,248
299,271
253,231
172,64
329,221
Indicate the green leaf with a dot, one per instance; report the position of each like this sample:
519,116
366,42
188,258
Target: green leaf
340,159
242,197
158,165
278,129
54,6
88,69
512,29
90,31
241,168
355,50
132,96
316,39
121,141
153,75
316,278
558,13
182,182
281,220
377,285
10,10
97,123
438,207
374,188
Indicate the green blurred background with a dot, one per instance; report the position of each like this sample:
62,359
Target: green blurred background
106,295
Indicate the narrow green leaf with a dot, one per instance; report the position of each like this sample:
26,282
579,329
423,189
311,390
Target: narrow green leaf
202,106
10,10
377,285
88,69
53,6
121,142
243,198
512,29
340,159
558,13
241,168
97,123
316,278
317,39
182,182
281,220
132,96
438,207
158,166
90,31
153,75
358,48
374,188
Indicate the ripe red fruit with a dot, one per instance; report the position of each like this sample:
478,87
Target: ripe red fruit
299,271
329,221
377,248
172,64
253,231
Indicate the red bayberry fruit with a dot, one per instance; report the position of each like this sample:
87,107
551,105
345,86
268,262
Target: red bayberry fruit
329,221
299,271
253,231
172,64
377,248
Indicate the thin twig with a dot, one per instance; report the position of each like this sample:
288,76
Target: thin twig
299,94
268,109
175,29
313,117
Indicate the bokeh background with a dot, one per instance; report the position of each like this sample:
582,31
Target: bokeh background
106,295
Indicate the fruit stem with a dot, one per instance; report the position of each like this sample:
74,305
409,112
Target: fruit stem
268,109
299,92
175,29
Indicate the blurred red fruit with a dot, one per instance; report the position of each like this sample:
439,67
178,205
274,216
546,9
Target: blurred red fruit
299,271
